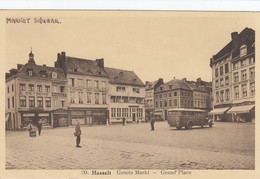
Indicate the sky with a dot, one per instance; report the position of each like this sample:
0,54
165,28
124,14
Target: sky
154,44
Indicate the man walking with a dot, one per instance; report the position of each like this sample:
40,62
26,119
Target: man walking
39,126
77,133
152,123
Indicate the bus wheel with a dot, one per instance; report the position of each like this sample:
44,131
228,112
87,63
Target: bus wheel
189,125
178,128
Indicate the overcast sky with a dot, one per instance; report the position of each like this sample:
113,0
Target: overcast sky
153,44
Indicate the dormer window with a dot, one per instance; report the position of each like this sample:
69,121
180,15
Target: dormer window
43,74
134,80
243,50
54,75
75,70
30,72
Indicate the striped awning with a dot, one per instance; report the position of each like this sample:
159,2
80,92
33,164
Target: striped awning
219,110
241,109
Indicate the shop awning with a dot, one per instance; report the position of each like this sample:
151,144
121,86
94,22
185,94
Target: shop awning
218,111
241,109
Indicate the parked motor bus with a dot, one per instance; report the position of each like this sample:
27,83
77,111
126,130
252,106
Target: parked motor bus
181,117
158,115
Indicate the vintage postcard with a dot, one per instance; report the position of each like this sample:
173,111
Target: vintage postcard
128,94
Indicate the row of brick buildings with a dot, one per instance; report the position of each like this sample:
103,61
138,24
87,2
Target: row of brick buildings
160,96
74,90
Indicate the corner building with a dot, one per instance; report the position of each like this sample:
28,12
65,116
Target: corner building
126,95
233,77
87,89
35,92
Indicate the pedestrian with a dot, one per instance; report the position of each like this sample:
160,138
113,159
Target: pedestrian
152,123
123,120
77,134
39,126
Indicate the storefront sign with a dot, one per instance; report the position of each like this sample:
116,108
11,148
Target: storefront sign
29,115
43,114
34,93
59,94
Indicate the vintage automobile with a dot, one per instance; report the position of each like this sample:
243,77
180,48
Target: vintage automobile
182,117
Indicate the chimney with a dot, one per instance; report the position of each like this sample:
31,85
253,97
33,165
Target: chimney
146,83
63,56
184,79
199,80
234,37
19,66
100,63
44,65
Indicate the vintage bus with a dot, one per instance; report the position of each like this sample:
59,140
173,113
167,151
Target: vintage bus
181,117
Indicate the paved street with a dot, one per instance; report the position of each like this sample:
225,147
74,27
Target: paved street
134,146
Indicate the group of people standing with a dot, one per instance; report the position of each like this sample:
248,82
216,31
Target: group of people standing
31,127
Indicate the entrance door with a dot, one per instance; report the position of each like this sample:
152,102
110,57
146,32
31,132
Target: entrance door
89,120
165,114
133,116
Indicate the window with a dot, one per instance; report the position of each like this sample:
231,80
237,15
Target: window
170,94
8,103
22,87
227,80
165,95
156,104
175,102
221,95
216,83
216,72
88,97
120,88
72,97
71,82
252,72
217,96
236,90
80,82
244,90
8,89
136,90
221,70
160,95
22,101
118,112
227,95
161,104
252,89
170,102
244,75
13,101
113,112
75,70
47,88
96,98
62,89
31,101
221,82
12,87
39,88
251,60
175,93
104,98
80,95
54,75
104,85
125,99
170,87
40,102
63,104
226,68
236,78
88,85
243,62
31,87
48,102
235,65
243,50
96,84
165,103
30,72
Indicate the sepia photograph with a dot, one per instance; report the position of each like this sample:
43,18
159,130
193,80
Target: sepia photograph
129,93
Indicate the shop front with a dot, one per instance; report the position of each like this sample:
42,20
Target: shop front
60,118
34,117
243,113
220,114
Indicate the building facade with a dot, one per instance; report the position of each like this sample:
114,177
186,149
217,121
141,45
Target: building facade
33,93
126,95
233,77
87,89
149,97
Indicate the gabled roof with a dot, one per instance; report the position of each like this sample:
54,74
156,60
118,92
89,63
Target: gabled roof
150,84
123,77
246,37
84,67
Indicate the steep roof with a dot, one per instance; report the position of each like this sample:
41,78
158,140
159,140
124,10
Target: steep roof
84,67
246,37
124,77
150,84
176,84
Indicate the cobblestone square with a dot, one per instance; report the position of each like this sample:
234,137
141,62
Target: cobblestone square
134,146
